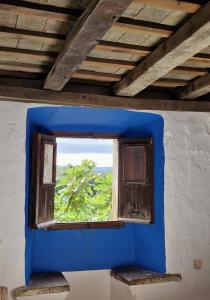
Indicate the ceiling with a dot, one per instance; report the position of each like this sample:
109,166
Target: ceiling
140,48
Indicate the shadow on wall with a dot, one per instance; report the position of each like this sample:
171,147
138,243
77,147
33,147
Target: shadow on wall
94,249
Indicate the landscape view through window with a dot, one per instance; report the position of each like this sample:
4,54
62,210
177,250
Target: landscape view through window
83,180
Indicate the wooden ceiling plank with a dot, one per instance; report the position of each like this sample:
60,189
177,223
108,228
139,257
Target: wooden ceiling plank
196,88
188,40
201,57
191,70
38,10
33,95
93,23
23,54
123,48
49,57
104,62
98,76
28,35
184,6
151,28
24,67
142,51
171,83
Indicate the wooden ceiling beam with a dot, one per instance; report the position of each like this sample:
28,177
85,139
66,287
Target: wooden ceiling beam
38,96
188,40
184,6
96,20
196,88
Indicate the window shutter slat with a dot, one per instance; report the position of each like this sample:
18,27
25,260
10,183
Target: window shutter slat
43,180
136,180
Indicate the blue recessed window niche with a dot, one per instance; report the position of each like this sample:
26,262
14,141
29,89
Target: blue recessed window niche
93,249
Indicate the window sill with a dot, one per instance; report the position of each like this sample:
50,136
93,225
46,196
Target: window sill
138,276
86,225
41,284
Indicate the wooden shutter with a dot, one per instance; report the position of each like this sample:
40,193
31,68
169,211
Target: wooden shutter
136,180
43,180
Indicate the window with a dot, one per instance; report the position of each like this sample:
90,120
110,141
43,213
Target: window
90,180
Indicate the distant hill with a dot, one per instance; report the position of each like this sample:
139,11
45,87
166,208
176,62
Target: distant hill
103,170
61,169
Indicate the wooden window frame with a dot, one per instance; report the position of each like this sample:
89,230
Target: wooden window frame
115,223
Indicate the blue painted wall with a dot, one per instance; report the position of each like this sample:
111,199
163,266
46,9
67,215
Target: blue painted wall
73,250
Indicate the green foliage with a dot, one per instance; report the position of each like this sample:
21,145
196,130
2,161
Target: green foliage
82,194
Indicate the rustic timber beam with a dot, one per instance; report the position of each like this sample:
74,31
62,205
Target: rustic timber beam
33,95
93,23
189,40
196,88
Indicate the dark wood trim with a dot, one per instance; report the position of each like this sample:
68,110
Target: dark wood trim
94,135
87,225
20,94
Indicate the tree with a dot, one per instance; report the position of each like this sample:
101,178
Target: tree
82,194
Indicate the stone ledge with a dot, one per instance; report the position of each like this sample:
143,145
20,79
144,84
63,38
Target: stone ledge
138,276
43,283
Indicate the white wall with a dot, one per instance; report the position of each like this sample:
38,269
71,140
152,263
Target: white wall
187,211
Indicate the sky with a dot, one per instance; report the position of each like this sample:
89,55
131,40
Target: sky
74,150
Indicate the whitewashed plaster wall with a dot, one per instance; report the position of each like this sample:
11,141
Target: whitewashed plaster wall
187,211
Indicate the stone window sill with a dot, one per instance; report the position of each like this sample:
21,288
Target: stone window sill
138,276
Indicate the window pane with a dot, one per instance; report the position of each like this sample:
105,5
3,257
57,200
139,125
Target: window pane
48,164
84,180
